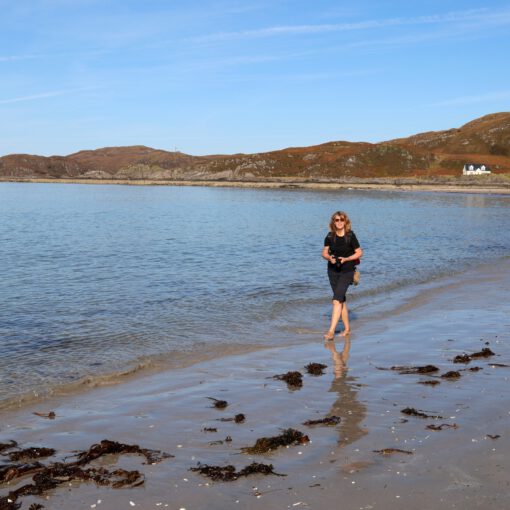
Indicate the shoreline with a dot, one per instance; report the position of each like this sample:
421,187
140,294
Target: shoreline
393,184
146,366
464,466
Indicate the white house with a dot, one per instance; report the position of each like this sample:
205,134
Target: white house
475,169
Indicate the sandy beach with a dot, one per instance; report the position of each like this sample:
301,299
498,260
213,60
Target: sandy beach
390,184
376,458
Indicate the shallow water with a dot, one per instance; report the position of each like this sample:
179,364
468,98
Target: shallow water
97,279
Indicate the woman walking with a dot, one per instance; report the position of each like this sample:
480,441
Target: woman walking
341,250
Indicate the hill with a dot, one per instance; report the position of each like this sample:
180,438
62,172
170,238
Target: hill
438,153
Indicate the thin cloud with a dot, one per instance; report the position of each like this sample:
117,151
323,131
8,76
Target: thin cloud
459,16
43,95
482,98
13,58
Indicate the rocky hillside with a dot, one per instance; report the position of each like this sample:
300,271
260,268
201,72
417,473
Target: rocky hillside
484,140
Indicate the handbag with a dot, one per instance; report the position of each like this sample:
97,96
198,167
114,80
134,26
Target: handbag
355,277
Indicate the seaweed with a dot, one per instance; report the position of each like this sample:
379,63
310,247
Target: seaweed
443,425
330,421
12,471
219,404
7,446
410,411
35,506
390,451
106,447
497,436
426,369
286,438
466,358
238,418
31,453
229,473
293,379
49,477
429,383
209,429
51,415
475,369
315,368
500,365
8,504
484,353
453,374
462,358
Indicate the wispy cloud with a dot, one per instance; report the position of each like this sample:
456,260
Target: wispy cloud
478,15
13,58
44,95
482,98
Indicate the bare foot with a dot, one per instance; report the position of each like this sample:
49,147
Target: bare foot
347,332
329,336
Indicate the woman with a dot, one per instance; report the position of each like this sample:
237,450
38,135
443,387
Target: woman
341,250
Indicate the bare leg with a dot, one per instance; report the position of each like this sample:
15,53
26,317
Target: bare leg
336,313
345,320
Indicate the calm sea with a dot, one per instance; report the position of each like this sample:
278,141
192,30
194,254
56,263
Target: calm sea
97,280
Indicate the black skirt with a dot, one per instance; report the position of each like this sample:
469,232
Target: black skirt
340,281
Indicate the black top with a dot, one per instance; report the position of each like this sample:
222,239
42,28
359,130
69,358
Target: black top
343,246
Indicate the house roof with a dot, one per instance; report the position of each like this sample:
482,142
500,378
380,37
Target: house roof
476,165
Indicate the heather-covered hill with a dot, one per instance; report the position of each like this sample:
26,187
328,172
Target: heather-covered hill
488,135
484,140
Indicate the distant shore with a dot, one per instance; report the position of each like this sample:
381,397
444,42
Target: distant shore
390,184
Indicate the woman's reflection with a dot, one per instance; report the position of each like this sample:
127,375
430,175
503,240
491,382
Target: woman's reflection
347,406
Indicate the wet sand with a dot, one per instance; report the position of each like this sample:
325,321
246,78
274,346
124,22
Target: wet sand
449,468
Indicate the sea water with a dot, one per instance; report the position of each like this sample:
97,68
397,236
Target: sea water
101,279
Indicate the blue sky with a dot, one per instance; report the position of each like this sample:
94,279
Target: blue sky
228,76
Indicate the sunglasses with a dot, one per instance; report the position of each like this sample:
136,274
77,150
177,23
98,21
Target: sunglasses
342,220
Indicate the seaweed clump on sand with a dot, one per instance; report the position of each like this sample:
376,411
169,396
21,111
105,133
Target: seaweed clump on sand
51,415
453,374
391,451
466,358
286,438
106,447
219,404
429,383
484,353
7,446
442,426
330,421
30,453
229,473
410,411
315,368
49,477
462,358
238,418
293,379
426,369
